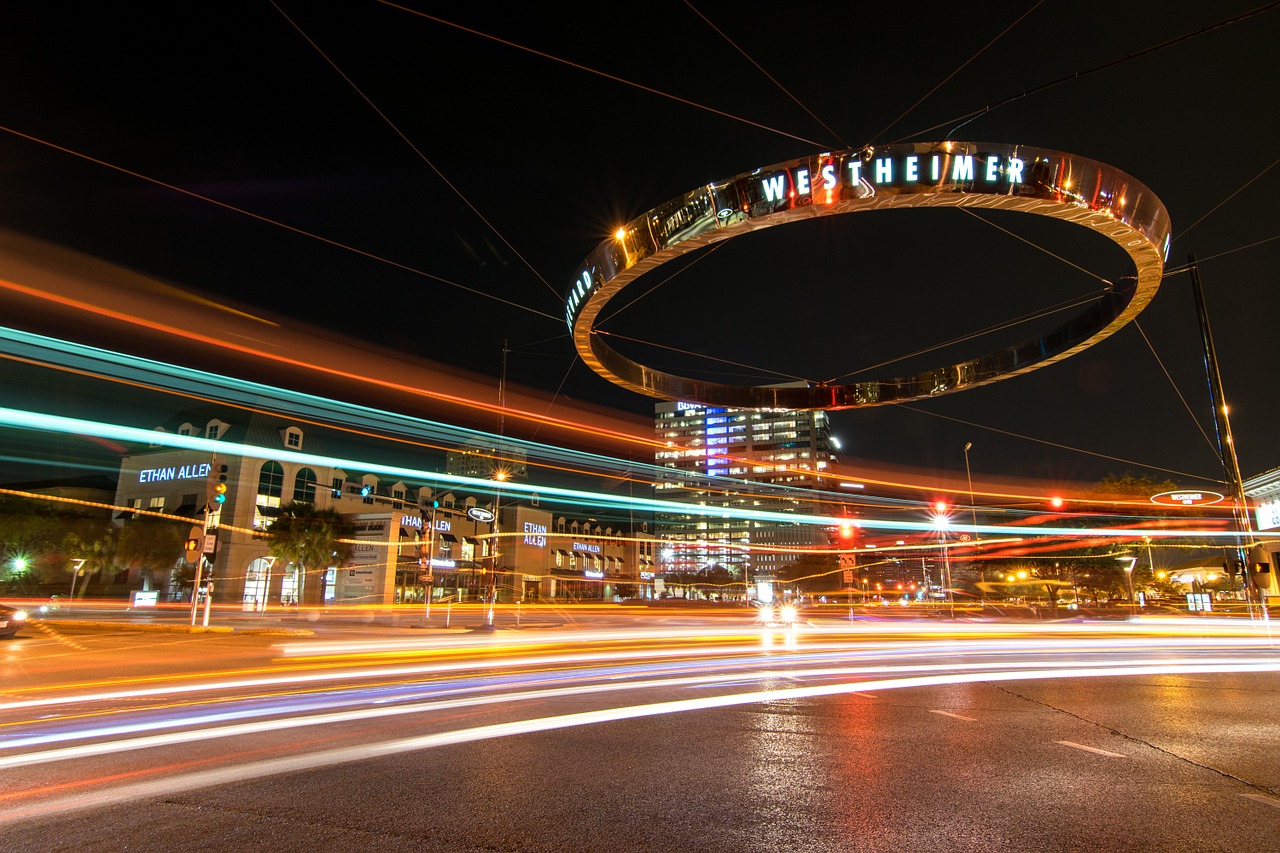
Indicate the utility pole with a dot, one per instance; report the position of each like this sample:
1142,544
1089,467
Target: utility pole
1222,431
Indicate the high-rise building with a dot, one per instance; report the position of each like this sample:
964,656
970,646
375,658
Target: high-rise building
718,459
488,461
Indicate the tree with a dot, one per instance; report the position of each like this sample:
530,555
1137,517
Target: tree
89,554
29,530
310,538
814,573
152,545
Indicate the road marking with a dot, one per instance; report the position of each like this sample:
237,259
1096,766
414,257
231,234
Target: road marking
865,695
1092,749
955,716
1263,798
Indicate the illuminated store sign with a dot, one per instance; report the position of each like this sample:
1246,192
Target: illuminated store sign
590,549
535,534
182,472
1187,498
478,513
411,521
1268,515
593,573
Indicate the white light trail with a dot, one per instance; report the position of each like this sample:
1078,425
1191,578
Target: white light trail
309,761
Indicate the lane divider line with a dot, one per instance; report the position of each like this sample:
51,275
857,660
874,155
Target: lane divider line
955,716
1092,749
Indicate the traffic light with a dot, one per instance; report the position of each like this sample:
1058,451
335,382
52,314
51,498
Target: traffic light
847,531
217,487
1056,502
1261,568
365,491
940,507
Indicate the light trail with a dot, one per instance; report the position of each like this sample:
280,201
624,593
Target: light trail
54,423
398,746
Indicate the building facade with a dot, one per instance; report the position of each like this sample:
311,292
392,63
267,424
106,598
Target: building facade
1264,491
726,459
409,539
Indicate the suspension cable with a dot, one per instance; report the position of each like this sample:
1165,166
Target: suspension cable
603,74
970,116
1174,385
268,220
772,79
1055,444
957,70
1214,209
414,148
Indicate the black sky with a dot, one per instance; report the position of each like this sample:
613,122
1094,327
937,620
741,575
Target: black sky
232,102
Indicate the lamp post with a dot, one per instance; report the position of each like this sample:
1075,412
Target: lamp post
973,515
941,521
428,579
499,476
1128,570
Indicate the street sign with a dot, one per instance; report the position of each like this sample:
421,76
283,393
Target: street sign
210,543
848,575
424,577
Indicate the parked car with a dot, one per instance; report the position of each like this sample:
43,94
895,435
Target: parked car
11,619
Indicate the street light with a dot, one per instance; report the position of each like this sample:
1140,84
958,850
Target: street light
941,521
76,569
1128,570
973,515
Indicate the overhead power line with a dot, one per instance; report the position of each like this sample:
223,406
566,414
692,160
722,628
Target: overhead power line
258,216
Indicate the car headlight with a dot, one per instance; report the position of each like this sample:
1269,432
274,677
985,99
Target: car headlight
18,615
787,613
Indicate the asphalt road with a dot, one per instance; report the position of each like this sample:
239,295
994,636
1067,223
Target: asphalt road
671,738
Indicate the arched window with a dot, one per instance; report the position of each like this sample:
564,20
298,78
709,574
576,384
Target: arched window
271,480
304,486
266,506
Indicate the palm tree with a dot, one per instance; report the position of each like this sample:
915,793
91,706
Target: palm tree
95,554
310,538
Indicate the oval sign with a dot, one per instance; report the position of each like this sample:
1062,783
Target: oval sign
1187,498
476,513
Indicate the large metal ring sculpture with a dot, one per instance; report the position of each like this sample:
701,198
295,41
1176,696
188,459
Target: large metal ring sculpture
942,174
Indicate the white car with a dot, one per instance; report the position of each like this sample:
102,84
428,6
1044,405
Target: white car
779,614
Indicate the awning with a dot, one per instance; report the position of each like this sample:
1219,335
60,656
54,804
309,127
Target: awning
448,537
269,511
471,539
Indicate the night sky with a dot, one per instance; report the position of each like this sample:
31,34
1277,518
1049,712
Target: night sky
523,163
